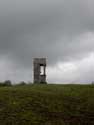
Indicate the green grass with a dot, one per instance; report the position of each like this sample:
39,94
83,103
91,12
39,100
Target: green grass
47,105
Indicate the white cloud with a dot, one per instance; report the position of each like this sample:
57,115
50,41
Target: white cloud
80,71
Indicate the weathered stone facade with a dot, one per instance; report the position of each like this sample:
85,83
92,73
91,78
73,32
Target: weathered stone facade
38,65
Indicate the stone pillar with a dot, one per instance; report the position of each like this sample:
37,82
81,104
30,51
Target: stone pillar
38,77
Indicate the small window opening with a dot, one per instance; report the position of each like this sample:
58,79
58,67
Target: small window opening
41,70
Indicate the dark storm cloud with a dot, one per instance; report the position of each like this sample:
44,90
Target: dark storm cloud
56,29
43,28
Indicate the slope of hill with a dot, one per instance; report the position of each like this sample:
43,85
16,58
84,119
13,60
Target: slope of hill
47,105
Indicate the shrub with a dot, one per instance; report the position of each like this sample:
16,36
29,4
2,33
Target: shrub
22,83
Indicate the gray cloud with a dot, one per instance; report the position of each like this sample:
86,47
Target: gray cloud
60,30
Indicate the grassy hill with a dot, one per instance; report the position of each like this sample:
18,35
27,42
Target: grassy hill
47,105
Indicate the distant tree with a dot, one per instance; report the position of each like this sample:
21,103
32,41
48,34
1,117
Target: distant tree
22,83
29,83
7,83
1,84
92,83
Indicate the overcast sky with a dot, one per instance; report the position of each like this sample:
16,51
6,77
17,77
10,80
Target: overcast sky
60,30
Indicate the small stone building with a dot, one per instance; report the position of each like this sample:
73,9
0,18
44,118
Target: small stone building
39,65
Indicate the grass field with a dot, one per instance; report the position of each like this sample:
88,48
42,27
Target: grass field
47,105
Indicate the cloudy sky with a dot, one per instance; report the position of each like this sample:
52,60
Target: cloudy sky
60,30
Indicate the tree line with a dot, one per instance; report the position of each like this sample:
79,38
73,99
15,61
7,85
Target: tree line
9,83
